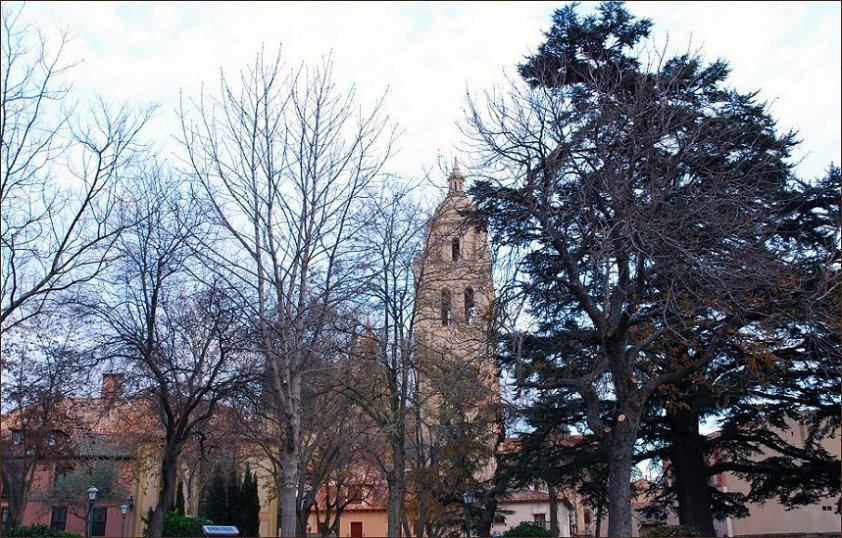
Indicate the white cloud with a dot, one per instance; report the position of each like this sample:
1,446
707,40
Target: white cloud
427,53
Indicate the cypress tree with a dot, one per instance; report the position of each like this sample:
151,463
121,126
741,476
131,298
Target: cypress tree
234,505
217,500
249,523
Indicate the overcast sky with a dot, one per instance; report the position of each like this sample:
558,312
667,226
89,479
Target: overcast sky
427,54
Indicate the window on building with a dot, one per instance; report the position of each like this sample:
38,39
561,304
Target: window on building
470,306
58,521
17,437
455,250
62,472
588,517
540,520
5,518
446,310
100,518
356,529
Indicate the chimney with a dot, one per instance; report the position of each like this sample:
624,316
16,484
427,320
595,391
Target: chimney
112,385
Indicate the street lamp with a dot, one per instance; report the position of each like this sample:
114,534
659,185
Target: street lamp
468,499
124,509
93,493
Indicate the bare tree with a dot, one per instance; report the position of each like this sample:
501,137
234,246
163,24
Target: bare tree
336,456
42,371
61,168
185,345
379,377
95,461
283,161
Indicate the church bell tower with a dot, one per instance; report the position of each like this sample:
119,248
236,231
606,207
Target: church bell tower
454,316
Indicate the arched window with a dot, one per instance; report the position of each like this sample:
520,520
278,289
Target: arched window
455,251
446,310
470,306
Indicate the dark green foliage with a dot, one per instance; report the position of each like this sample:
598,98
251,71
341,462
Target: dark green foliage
672,530
528,530
217,510
236,502
38,531
233,489
177,525
574,42
249,510
795,367
179,498
792,367
667,255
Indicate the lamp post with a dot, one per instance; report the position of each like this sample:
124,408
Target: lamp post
468,499
93,493
124,509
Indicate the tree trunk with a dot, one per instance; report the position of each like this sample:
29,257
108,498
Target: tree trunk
16,502
486,515
687,464
17,483
619,476
289,484
553,509
304,517
599,513
395,502
169,474
421,520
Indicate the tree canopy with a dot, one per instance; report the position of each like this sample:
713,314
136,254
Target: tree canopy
638,194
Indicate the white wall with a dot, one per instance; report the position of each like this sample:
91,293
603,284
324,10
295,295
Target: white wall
519,512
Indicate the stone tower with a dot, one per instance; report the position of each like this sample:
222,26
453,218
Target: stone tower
454,312
455,292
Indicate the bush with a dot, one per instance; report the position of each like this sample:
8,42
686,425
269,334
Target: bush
38,531
528,530
672,530
179,526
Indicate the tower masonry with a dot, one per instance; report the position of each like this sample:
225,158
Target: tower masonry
454,316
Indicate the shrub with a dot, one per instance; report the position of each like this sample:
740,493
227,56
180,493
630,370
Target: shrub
672,530
179,526
38,531
528,530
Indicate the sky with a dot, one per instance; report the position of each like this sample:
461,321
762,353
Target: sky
426,55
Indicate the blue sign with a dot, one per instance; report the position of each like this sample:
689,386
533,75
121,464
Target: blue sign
220,530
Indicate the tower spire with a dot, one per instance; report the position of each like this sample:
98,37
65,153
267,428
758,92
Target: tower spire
456,179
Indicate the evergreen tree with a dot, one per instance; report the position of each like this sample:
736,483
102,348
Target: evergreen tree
234,505
767,385
249,520
640,201
217,510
